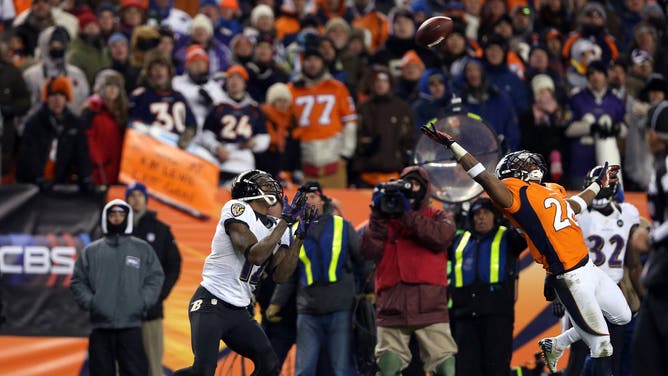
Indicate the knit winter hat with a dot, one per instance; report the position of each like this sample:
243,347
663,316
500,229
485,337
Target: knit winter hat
278,91
202,22
195,52
87,18
541,82
411,57
57,85
136,186
237,69
261,10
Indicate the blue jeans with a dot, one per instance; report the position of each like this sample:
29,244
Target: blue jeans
333,331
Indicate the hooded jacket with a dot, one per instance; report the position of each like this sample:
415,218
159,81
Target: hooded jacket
411,257
117,278
47,67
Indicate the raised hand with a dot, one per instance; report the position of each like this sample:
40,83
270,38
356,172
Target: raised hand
613,174
603,179
292,210
430,131
308,217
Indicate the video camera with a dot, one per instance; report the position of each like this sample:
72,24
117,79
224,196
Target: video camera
394,193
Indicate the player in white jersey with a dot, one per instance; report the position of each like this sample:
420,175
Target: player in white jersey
248,245
607,227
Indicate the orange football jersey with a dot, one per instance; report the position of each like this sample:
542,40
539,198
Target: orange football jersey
553,235
321,110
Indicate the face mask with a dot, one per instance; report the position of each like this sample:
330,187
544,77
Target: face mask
199,78
57,53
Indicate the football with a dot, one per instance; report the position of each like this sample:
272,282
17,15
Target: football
433,31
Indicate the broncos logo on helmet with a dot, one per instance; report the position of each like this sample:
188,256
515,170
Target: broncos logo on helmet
257,184
605,195
523,165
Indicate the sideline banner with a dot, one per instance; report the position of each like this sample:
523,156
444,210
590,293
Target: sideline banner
172,175
41,235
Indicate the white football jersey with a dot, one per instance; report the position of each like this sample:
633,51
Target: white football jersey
227,274
608,236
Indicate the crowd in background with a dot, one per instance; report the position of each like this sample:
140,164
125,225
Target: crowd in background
326,90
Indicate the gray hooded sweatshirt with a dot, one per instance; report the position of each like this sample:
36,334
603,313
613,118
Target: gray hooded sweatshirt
117,278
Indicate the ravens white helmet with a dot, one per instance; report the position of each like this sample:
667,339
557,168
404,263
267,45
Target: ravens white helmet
257,184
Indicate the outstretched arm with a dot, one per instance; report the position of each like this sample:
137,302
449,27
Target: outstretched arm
607,176
496,190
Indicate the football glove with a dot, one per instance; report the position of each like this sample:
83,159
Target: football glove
558,309
430,131
602,178
308,217
292,210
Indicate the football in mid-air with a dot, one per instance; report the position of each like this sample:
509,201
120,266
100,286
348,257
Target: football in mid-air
433,31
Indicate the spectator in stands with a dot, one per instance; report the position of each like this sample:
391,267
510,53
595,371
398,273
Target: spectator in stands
234,130
106,16
411,298
166,45
197,86
457,49
118,267
542,125
554,45
539,63
498,72
224,16
630,16
164,14
18,50
202,34
492,11
386,133
490,103
276,109
355,60
325,287
292,14
88,51
556,15
401,39
40,16
641,67
598,117
14,103
261,21
263,70
591,20
583,52
407,83
54,146
330,55
638,159
146,226
646,38
242,47
53,44
326,122
132,14
105,119
483,282
363,14
326,10
156,104
433,100
119,52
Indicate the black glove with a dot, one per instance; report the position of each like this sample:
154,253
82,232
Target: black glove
558,309
292,210
602,178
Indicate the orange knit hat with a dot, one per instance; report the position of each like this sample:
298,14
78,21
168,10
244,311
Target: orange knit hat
57,85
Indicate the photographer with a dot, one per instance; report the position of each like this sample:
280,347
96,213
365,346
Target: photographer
409,240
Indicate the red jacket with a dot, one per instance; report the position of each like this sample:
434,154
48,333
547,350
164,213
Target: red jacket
411,255
105,141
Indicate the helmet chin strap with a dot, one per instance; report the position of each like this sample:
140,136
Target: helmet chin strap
271,200
535,175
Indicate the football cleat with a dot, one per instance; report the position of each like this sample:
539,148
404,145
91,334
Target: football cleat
548,346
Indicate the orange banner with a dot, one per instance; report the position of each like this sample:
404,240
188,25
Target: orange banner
171,174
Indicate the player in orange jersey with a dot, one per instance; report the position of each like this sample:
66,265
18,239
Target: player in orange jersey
547,218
